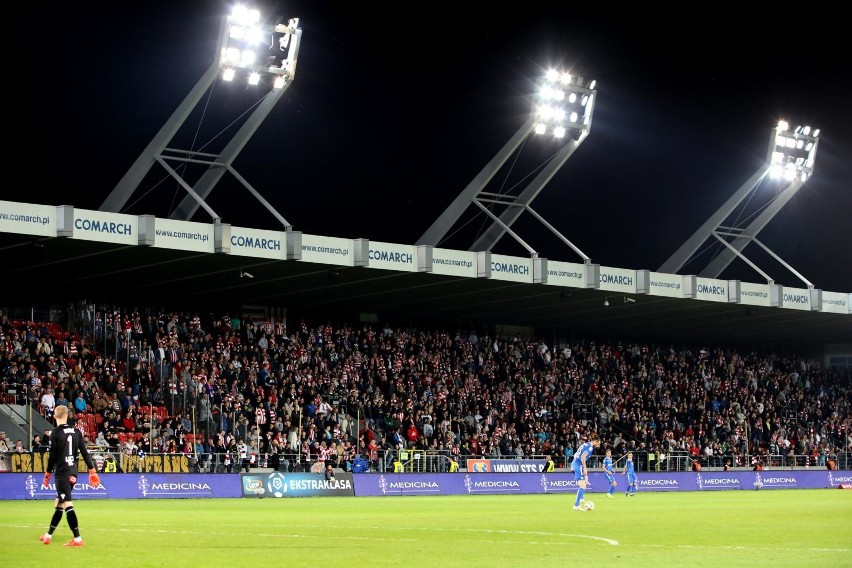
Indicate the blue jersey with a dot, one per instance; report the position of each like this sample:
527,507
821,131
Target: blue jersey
631,473
608,471
583,453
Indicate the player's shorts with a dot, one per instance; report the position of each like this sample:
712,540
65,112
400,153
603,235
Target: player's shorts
578,472
631,478
609,477
63,488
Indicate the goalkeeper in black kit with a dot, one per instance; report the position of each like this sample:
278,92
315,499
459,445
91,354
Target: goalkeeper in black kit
66,443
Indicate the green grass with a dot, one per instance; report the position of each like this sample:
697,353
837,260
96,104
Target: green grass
796,528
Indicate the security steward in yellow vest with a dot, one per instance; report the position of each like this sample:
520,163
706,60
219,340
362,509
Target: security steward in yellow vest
109,464
454,465
549,466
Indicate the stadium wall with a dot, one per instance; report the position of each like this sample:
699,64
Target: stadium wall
27,486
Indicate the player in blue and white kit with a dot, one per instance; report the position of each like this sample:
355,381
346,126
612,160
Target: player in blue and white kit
631,475
609,473
581,474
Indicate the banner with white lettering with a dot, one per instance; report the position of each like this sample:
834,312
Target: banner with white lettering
391,484
278,484
486,465
126,486
328,250
617,279
183,235
511,268
451,262
390,256
105,227
258,243
28,219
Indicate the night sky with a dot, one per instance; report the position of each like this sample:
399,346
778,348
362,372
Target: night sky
394,110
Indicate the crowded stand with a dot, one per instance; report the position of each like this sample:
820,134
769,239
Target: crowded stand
236,393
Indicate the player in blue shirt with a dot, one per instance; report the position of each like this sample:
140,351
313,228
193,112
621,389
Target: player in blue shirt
609,473
631,475
581,474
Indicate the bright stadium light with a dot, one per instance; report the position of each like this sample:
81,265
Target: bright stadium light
789,164
248,42
562,110
562,105
793,153
260,54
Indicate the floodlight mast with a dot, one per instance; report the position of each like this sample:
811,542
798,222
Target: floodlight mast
790,160
234,55
564,111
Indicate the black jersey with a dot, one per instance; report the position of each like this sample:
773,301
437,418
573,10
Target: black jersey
66,442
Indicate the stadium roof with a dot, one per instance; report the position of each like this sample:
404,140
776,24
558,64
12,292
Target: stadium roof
60,270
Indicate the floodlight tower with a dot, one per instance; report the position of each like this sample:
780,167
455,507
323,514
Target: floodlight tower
563,110
790,163
263,55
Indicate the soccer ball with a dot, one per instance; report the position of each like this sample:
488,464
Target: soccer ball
589,505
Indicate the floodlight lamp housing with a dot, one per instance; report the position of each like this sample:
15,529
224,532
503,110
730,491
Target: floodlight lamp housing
254,50
563,105
792,152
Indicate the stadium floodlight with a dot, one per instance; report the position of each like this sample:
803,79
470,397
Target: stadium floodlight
789,164
562,105
262,55
562,111
793,153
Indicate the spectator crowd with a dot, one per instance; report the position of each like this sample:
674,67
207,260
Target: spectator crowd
160,381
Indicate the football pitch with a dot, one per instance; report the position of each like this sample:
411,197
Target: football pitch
796,528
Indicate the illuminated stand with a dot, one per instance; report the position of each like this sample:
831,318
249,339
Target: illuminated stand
563,110
263,55
790,163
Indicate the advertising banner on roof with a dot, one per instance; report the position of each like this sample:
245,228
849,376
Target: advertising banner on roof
105,227
511,268
836,302
711,289
328,250
258,243
664,284
27,219
390,256
796,299
450,262
617,279
183,235
568,274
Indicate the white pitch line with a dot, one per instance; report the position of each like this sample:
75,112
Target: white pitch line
121,528
612,542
